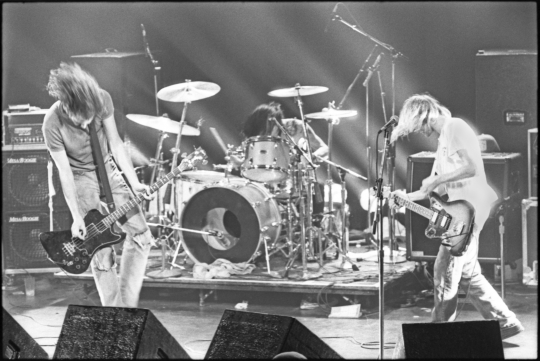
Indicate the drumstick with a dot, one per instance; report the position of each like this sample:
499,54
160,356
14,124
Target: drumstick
219,140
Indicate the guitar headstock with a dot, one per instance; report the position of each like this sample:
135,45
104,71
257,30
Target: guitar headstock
193,159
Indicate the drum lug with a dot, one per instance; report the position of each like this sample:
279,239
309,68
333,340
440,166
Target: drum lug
269,198
255,204
264,229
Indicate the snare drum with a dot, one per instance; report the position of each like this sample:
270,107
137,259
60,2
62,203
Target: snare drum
267,159
242,211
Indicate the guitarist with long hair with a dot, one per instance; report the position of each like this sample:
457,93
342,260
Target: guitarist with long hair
80,101
458,171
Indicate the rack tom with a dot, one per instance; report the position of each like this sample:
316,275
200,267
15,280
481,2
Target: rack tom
267,159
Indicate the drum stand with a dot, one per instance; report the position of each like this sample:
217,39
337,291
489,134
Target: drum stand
304,204
176,205
163,273
342,246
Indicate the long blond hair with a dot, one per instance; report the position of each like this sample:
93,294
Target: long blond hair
77,90
417,110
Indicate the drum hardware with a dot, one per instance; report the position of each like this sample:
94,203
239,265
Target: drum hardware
343,245
305,202
163,273
332,116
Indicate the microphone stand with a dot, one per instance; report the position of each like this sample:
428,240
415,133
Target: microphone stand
378,221
391,149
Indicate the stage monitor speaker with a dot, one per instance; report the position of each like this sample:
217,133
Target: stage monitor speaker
459,340
91,332
17,343
507,100
27,179
502,173
250,335
128,77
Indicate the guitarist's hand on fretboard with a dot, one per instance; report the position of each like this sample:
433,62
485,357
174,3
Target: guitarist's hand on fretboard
392,200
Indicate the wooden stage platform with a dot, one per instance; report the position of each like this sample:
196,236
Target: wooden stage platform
334,278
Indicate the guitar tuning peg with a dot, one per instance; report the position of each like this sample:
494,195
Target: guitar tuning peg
183,155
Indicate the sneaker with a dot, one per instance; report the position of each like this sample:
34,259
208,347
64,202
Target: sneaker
511,329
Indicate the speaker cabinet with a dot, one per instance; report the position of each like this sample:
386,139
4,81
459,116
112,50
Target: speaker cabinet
532,164
503,175
529,218
459,340
28,179
103,333
128,77
20,237
17,343
250,335
507,100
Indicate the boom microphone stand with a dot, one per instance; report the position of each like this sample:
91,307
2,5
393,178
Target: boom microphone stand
378,220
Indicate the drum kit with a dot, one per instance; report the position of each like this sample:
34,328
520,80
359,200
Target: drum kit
265,211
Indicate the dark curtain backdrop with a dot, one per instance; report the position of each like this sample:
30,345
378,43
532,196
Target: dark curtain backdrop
249,49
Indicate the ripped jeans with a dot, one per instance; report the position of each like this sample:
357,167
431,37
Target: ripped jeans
452,272
116,291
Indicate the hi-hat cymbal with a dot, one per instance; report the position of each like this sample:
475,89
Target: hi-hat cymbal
163,124
188,91
298,90
332,113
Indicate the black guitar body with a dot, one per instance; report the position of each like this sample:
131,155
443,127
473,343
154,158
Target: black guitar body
73,254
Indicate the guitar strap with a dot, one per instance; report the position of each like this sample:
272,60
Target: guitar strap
98,158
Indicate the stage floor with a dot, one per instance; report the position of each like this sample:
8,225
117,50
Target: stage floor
176,303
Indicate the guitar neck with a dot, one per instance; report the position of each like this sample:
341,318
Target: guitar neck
423,211
116,215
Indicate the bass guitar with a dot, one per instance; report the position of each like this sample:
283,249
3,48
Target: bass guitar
73,254
452,222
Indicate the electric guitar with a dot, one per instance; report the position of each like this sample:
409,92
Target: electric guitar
452,222
73,254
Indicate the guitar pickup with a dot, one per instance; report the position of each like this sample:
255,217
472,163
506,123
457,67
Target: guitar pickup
445,221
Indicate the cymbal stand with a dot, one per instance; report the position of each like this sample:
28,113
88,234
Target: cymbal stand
342,247
302,215
306,204
163,273
329,180
176,191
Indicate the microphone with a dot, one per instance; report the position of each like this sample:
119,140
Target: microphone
331,17
146,48
372,68
392,122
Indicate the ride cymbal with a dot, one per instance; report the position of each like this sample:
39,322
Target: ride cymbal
188,91
163,124
297,91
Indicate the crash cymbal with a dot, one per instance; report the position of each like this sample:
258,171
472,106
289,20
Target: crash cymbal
293,92
188,91
163,124
332,113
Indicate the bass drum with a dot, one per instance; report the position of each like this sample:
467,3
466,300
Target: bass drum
242,211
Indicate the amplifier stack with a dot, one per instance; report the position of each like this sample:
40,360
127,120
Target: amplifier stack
503,175
33,202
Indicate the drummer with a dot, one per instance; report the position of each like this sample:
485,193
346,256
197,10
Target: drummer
260,122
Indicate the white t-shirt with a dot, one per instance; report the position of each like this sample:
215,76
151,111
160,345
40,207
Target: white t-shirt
455,135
